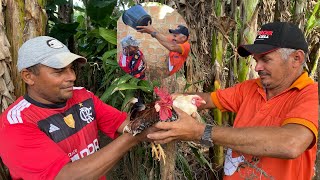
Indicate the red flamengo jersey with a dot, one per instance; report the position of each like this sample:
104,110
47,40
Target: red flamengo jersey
37,140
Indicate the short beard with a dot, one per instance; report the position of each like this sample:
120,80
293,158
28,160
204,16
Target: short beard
266,85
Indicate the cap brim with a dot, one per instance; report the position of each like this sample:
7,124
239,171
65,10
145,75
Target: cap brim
62,60
173,31
246,50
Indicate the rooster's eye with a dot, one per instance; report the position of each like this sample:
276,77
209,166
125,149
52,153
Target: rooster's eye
193,101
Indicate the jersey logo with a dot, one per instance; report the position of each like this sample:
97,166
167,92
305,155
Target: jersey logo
86,114
69,121
14,114
53,128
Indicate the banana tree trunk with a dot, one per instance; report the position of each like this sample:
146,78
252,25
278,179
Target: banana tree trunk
167,170
24,20
174,83
250,16
218,54
317,165
299,16
6,85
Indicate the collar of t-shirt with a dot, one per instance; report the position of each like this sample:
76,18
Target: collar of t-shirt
39,104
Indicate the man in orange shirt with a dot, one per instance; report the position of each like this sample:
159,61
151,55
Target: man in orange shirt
178,45
275,131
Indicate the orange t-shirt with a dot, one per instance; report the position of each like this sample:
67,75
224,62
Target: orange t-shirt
176,59
298,104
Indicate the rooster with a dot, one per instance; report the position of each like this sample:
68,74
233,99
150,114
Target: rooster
143,116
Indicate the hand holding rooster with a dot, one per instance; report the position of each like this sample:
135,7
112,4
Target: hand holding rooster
186,128
144,116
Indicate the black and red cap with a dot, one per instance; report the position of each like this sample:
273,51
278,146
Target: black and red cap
180,30
273,36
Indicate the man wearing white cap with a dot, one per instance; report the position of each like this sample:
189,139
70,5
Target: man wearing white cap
50,132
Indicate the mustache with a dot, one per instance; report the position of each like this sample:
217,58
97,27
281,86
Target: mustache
263,73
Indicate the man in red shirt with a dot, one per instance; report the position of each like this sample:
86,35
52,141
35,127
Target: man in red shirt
178,45
52,131
274,134
131,58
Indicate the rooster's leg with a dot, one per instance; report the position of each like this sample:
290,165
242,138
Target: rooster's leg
162,155
158,152
154,151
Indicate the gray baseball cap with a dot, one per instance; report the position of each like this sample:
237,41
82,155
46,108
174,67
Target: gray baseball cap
47,51
129,41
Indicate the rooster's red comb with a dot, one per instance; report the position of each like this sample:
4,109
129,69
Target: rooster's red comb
162,92
165,102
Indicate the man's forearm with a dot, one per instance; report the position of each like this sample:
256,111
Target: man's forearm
163,40
278,142
99,163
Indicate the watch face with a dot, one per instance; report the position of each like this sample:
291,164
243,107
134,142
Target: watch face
207,143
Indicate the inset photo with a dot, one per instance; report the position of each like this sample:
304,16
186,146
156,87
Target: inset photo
152,41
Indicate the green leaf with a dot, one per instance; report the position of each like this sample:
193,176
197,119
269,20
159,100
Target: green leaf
186,169
134,81
99,48
63,31
147,84
99,10
200,158
129,94
108,35
125,86
313,20
111,62
108,54
94,33
124,79
109,91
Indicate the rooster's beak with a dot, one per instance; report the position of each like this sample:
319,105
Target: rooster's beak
157,107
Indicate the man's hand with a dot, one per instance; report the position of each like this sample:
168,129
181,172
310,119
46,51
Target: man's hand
185,128
142,137
146,29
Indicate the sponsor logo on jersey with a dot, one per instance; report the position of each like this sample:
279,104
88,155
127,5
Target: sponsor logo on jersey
69,121
90,149
53,128
86,114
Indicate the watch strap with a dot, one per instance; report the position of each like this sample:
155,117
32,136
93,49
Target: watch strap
153,34
206,138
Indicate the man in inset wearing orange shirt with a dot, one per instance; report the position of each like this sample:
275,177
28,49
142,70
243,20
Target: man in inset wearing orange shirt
274,134
177,44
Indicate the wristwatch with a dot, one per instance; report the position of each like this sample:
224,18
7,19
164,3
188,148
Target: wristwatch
206,138
153,34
